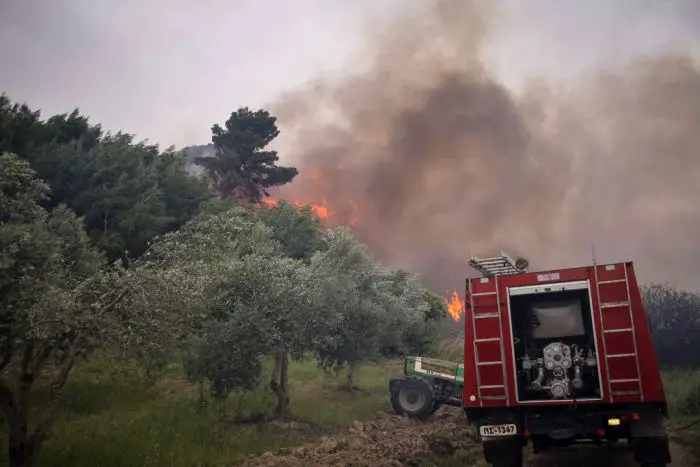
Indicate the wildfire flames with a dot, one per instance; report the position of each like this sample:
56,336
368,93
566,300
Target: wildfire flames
319,209
455,307
349,215
313,185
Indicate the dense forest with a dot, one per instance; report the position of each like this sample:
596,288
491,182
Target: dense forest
109,245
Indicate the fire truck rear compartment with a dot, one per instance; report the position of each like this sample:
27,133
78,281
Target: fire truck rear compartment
554,345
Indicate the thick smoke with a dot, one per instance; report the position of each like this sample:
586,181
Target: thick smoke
433,159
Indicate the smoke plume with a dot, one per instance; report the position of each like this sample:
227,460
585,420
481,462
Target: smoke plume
432,159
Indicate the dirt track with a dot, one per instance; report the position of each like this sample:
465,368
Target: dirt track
397,441
596,456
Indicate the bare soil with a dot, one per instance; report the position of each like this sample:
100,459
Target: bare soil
393,440
390,440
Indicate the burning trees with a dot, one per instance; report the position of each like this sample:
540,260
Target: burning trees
241,167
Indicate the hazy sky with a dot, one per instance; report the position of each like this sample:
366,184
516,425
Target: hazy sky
167,69
618,160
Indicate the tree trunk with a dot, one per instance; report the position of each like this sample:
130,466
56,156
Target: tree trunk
20,452
350,377
278,383
24,447
21,445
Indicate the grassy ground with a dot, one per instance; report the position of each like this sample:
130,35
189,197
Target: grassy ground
114,419
683,390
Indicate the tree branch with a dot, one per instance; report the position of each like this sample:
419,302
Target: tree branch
40,359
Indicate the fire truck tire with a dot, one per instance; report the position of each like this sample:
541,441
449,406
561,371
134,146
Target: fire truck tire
504,455
415,398
652,451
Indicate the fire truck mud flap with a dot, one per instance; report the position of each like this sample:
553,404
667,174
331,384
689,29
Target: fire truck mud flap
504,452
650,439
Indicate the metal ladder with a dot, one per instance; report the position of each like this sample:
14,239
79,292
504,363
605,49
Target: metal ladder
491,268
497,265
627,304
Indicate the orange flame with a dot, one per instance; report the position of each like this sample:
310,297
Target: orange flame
314,185
318,209
455,307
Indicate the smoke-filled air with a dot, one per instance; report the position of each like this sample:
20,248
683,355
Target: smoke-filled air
432,159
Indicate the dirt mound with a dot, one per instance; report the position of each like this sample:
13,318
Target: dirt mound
390,440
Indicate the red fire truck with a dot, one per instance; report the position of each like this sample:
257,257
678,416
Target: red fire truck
559,357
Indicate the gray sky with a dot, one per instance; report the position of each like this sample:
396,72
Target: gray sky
166,70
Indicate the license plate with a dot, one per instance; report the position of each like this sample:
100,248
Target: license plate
498,430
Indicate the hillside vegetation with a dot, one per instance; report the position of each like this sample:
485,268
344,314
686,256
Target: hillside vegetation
153,316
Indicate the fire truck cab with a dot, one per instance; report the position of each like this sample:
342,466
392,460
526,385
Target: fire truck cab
558,357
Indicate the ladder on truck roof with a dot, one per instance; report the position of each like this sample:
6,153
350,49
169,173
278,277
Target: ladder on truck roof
498,265
486,315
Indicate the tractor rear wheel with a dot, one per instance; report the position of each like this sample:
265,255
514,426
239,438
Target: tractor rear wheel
415,398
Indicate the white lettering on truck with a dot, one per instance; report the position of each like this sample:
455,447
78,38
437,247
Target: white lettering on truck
552,276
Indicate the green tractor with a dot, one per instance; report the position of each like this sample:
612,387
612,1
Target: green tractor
427,384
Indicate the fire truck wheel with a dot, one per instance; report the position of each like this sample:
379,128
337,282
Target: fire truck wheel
505,453
414,397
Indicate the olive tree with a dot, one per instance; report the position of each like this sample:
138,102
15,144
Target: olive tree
263,306
366,306
59,301
254,301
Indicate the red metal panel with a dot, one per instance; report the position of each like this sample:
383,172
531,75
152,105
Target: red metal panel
484,303
624,386
617,318
619,343
544,277
611,272
486,328
489,351
490,375
483,285
613,292
622,368
652,384
496,392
